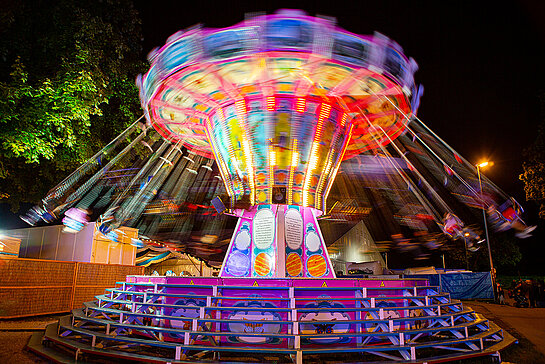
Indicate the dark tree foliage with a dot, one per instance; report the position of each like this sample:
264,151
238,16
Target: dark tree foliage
534,167
506,254
67,71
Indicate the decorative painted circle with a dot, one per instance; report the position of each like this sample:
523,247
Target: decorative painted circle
312,241
316,265
238,264
262,264
261,196
244,321
296,197
242,241
183,313
294,265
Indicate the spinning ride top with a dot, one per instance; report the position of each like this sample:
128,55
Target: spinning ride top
279,102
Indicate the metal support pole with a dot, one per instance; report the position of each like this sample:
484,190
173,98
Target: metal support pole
465,250
492,270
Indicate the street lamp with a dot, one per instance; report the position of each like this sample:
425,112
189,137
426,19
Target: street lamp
492,272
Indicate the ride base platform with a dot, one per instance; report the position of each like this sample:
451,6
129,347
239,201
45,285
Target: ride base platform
199,319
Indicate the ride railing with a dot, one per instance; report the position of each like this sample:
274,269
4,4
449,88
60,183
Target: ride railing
391,322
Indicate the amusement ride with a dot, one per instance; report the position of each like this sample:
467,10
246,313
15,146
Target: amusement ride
270,123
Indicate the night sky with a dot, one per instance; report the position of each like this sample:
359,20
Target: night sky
482,66
481,63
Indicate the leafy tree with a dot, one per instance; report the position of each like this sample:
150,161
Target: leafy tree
455,255
505,254
67,73
534,168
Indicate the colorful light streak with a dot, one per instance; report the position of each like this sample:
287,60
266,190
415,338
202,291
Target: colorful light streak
240,107
272,163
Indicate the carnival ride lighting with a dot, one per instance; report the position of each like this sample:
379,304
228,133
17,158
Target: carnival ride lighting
343,150
301,103
219,160
272,156
324,176
268,112
230,150
272,163
240,107
270,103
324,113
343,119
295,156
292,104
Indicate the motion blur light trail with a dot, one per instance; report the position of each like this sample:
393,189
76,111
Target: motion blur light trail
266,114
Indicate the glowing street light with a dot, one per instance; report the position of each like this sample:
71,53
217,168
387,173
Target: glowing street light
492,272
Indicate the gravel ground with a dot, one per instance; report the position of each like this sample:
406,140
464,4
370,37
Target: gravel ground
12,344
14,335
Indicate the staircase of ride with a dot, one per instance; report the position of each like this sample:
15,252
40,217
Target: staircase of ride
176,319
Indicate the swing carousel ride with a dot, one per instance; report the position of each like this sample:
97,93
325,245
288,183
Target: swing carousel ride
278,122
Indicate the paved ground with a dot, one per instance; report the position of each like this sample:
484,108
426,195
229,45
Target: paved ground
14,335
526,324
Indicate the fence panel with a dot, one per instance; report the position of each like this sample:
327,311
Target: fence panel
31,287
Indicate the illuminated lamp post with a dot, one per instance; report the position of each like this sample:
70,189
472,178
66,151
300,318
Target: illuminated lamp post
466,235
492,271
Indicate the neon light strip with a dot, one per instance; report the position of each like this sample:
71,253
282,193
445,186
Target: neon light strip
187,111
341,156
343,119
294,163
231,152
240,107
272,163
326,172
270,103
178,84
301,104
223,170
